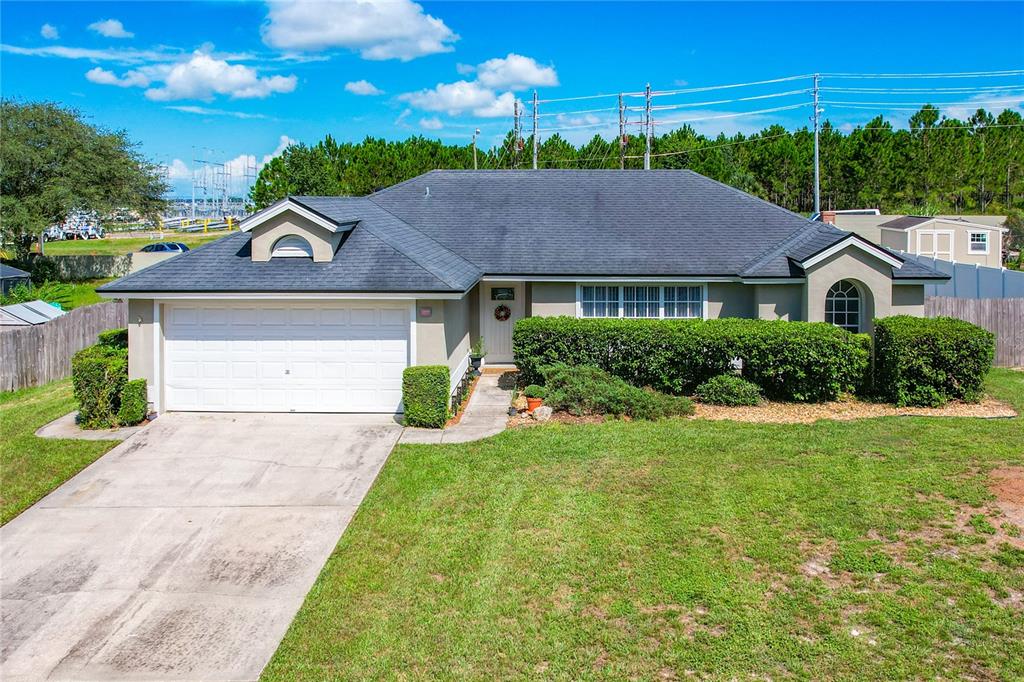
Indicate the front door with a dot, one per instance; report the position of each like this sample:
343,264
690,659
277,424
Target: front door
501,304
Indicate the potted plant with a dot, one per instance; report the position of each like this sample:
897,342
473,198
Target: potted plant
534,396
477,353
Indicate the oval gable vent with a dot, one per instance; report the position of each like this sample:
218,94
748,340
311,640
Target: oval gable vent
291,246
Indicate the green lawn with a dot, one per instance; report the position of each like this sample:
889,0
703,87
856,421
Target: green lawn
118,246
839,550
30,467
84,293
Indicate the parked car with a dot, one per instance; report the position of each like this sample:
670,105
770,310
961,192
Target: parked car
54,233
165,247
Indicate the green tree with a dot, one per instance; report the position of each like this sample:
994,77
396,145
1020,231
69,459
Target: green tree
53,163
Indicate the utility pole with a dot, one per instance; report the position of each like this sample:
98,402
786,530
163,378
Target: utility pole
515,133
534,130
622,135
475,133
647,127
817,164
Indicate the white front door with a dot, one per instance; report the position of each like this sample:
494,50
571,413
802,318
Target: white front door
288,356
496,300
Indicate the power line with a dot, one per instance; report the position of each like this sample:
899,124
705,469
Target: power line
666,107
734,115
713,146
887,108
684,91
578,111
972,102
576,99
960,74
962,91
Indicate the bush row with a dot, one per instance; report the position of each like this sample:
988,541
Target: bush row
797,361
585,389
920,361
99,376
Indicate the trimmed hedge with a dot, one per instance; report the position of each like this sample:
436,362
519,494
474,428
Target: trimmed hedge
133,403
797,361
929,361
585,389
115,338
425,395
98,375
728,389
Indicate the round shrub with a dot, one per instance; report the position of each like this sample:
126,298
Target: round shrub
585,389
534,391
728,389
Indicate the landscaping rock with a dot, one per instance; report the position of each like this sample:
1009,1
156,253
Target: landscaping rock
542,413
519,403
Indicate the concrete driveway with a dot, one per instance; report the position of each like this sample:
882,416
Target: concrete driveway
185,552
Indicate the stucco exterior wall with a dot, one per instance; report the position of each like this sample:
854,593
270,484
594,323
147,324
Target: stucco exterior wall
728,299
443,337
779,301
456,335
895,239
961,243
908,299
140,345
324,242
548,299
871,275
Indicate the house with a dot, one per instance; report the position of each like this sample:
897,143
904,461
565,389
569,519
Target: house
975,240
28,314
11,277
319,303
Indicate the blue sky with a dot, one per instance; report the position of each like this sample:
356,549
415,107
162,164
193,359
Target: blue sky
243,78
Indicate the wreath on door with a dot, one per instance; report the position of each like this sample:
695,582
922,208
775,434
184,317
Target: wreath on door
502,313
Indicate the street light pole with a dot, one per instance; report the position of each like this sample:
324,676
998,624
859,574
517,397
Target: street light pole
477,132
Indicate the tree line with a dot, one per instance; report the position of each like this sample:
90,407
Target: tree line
935,165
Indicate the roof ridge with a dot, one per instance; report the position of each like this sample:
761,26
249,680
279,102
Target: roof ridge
781,246
399,246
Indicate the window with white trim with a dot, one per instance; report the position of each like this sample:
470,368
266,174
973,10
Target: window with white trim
687,302
642,301
843,306
599,301
978,242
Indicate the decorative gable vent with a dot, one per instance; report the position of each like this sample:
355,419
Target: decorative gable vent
291,246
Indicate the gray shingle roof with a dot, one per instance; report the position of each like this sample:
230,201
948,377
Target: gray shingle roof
443,230
906,222
11,272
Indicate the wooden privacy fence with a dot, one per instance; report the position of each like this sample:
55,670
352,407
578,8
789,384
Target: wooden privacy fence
1004,317
35,355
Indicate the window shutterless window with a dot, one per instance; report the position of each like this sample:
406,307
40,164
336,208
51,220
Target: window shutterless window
842,306
979,242
641,301
685,302
599,301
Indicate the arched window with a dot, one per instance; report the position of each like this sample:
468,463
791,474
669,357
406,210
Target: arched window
843,306
291,246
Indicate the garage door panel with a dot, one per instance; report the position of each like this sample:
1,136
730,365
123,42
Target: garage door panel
274,357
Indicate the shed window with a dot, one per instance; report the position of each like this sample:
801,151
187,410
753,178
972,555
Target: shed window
843,306
291,246
979,242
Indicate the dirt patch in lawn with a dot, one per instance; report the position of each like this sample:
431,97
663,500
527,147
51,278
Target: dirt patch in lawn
524,419
1007,484
845,410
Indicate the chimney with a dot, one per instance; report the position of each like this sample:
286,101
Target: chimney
828,217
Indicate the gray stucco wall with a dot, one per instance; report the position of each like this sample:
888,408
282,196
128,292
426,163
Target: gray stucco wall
908,299
548,299
443,338
140,344
456,334
324,242
779,301
727,299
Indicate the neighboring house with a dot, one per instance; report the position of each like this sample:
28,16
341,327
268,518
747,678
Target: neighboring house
319,303
976,240
28,314
11,277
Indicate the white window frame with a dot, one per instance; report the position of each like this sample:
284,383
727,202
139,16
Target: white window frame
661,299
971,242
846,311
292,246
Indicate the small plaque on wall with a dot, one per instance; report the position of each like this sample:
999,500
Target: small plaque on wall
426,311
503,294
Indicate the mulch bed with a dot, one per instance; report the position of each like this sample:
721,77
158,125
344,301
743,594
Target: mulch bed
457,417
806,413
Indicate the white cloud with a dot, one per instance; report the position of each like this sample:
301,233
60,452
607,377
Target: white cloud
363,87
465,69
119,55
135,78
178,170
200,77
432,123
110,28
377,29
515,72
993,102
207,111
400,121
49,31
460,97
282,143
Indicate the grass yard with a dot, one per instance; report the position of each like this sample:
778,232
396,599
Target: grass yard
31,467
112,246
839,550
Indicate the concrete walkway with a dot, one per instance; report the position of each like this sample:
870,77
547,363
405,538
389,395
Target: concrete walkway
185,551
486,414
67,427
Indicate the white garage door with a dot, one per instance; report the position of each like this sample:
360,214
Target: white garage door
287,357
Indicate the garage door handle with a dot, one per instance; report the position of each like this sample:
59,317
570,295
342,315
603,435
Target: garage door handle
287,371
